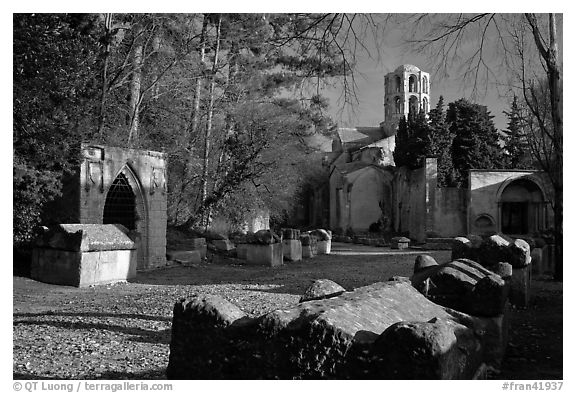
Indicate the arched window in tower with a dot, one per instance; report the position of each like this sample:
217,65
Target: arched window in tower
413,105
425,85
398,84
397,105
413,84
425,104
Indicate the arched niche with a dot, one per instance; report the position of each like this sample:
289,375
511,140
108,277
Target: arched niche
125,204
522,207
412,84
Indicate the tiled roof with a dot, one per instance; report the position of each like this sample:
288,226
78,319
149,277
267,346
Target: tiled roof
365,135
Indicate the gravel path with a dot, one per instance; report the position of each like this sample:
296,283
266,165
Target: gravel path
122,331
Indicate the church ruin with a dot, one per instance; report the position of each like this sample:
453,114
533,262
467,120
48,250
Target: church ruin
366,187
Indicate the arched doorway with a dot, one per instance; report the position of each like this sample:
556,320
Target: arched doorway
522,208
125,205
120,205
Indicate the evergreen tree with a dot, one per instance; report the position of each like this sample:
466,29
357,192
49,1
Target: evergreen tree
515,143
401,150
412,141
440,144
476,141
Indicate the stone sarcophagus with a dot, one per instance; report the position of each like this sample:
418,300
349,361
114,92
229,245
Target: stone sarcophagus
386,330
84,254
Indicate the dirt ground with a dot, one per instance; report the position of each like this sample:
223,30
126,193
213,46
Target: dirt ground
122,331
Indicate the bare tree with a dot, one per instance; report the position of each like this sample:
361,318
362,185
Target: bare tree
524,48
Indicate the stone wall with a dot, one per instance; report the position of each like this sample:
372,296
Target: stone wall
450,210
357,198
410,202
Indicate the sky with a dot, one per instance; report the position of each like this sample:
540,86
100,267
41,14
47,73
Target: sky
394,52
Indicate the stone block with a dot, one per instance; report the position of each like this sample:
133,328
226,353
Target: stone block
264,254
322,289
345,337
322,234
290,234
223,245
199,244
503,269
86,237
308,251
537,261
519,252
185,258
81,269
242,251
463,285
399,243
520,286
265,236
462,248
324,246
494,249
548,259
424,261
292,249
426,350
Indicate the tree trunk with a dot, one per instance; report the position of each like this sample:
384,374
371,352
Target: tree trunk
556,102
550,56
102,109
197,93
135,86
208,132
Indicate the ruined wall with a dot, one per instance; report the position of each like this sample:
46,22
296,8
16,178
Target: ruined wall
366,195
146,173
485,189
450,210
410,202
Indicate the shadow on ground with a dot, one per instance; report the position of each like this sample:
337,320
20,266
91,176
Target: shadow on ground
136,333
347,266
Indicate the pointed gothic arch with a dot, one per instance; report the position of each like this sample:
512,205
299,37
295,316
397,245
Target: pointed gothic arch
125,204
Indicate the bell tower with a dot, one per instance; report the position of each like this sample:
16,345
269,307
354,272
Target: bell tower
406,90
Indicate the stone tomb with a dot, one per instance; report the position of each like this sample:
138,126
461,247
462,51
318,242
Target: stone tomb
291,245
84,254
264,248
324,242
114,185
399,243
386,330
264,254
500,248
309,245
